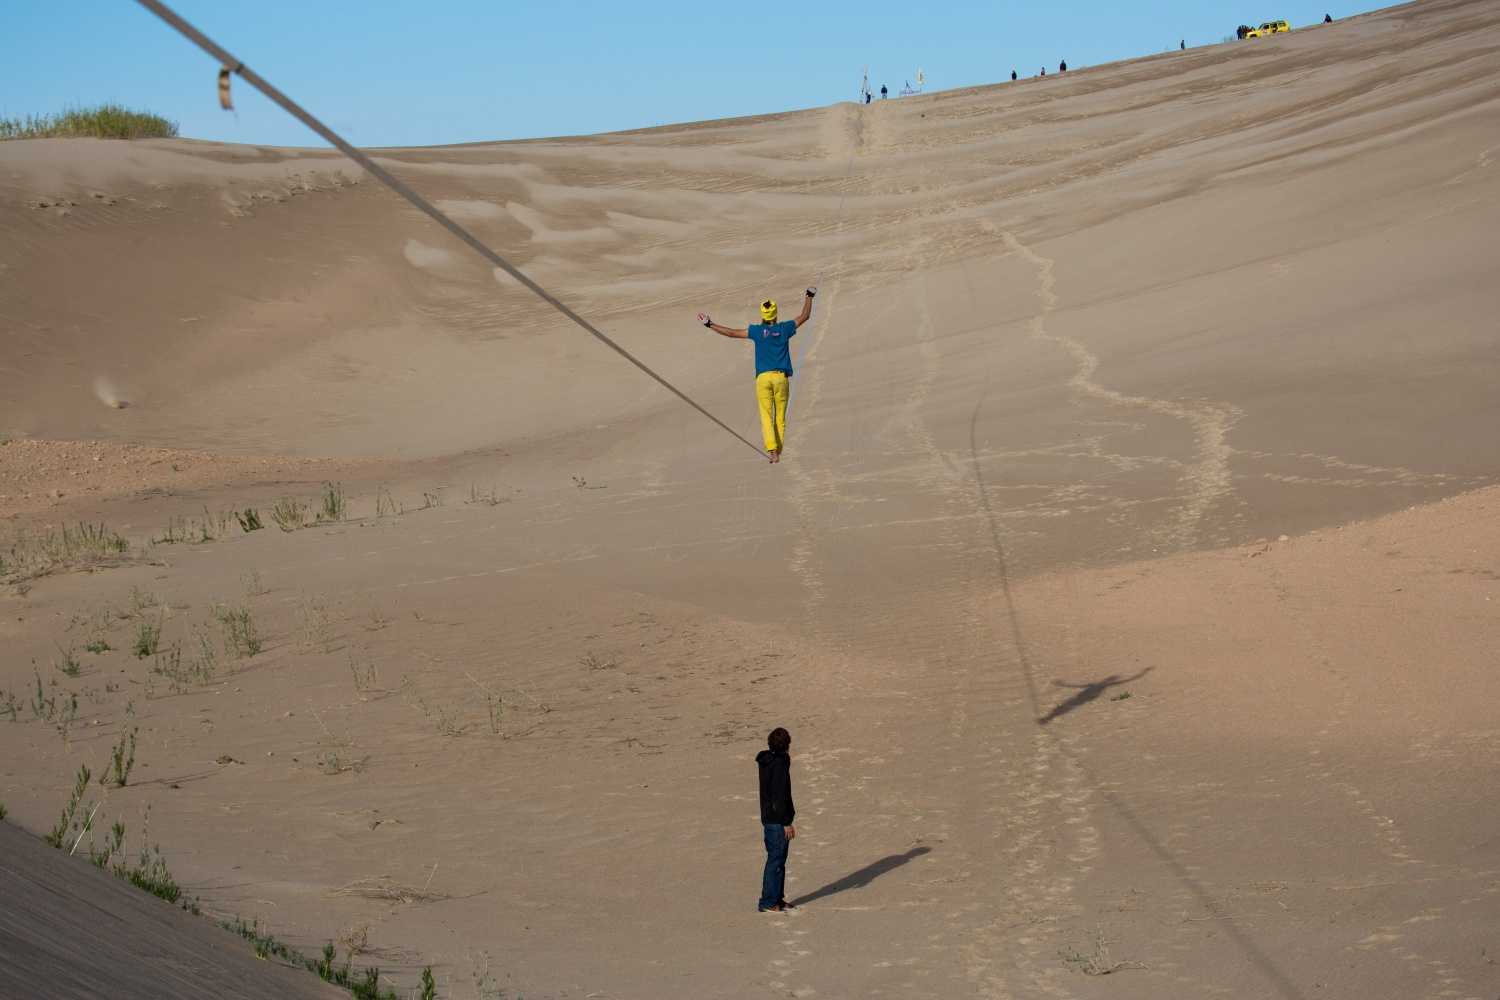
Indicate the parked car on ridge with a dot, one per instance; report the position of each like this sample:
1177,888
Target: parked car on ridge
1269,28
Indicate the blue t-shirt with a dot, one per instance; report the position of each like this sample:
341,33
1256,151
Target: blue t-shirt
773,346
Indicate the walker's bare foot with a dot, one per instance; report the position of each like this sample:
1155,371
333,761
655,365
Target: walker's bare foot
773,455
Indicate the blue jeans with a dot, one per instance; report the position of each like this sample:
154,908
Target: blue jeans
773,883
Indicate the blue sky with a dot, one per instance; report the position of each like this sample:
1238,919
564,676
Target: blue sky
388,73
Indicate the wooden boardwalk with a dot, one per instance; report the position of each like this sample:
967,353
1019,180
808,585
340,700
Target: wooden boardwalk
69,930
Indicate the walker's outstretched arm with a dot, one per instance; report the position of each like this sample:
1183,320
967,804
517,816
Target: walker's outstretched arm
806,313
723,331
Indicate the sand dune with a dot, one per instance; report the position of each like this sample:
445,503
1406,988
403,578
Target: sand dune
1129,584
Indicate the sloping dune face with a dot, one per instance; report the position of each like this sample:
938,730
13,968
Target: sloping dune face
1247,235
1128,583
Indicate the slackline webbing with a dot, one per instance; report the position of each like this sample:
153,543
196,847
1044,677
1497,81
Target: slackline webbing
229,62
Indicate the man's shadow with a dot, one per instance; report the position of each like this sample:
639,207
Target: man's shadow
863,877
1087,693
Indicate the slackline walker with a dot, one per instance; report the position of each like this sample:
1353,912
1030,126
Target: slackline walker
229,64
773,365
772,340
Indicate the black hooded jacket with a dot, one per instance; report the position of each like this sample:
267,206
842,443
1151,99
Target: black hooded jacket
775,788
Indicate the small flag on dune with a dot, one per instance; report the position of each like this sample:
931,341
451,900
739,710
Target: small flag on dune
224,101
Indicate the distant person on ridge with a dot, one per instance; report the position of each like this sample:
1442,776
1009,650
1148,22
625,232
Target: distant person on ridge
882,91
1327,18
1013,75
773,366
1062,67
776,815
1044,71
1182,45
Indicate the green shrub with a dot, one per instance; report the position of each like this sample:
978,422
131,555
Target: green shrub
335,506
104,121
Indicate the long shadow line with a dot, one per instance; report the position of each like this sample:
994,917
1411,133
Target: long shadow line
1253,952
863,877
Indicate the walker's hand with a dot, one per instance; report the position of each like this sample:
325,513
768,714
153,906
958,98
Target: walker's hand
703,318
791,831
811,292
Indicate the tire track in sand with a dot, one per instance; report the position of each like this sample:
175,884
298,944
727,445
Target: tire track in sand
1208,478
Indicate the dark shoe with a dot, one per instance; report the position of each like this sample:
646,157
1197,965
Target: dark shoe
773,908
785,906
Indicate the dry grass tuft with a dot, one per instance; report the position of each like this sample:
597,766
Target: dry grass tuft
84,546
387,888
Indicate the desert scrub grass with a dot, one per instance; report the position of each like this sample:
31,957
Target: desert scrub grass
168,663
141,601
181,676
99,645
67,662
198,530
147,638
335,505
114,844
385,504
289,513
150,874
249,519
485,986
316,626
10,705
216,524
68,821
206,660
121,760
366,681
79,546
444,719
1098,961
332,762
54,709
101,121
489,498
175,532
492,703
238,626
363,985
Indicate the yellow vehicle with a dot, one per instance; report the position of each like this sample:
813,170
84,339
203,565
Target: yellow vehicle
1269,28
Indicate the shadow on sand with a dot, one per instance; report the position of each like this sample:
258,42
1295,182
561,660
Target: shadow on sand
1087,693
863,877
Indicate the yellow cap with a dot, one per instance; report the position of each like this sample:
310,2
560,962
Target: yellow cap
768,310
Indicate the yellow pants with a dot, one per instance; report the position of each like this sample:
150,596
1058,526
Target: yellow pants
771,391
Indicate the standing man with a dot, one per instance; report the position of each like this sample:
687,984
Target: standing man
773,365
882,92
776,815
1013,76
